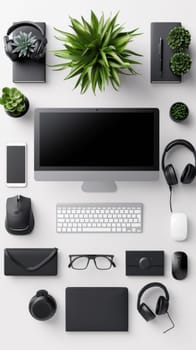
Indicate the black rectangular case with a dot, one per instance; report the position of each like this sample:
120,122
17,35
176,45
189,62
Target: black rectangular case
30,262
96,309
161,53
30,71
144,263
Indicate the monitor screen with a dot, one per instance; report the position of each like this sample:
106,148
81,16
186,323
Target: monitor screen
103,139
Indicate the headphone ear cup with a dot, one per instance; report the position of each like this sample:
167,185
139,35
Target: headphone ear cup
188,174
170,175
9,49
34,54
162,306
146,312
39,50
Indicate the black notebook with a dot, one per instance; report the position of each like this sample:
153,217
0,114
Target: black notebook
96,309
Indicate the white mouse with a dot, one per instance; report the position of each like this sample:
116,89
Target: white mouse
178,226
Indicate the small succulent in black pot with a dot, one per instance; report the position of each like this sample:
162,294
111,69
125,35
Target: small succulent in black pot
179,38
180,63
14,102
179,111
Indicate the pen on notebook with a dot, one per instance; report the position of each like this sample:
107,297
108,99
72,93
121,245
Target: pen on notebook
161,54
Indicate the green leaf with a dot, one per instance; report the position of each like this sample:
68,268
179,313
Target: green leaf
116,58
94,22
73,73
101,24
115,77
103,55
60,66
94,76
85,84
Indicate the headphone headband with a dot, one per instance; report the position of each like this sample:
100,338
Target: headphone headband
149,286
23,24
178,142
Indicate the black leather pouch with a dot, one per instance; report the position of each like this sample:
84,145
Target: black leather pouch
30,262
144,263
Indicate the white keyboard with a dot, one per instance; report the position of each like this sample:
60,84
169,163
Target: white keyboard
99,218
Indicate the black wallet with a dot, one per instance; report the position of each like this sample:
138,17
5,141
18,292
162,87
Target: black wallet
30,262
144,263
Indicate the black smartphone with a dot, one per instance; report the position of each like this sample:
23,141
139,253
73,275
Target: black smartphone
16,168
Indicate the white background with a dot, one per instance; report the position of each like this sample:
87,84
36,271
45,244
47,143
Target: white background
18,329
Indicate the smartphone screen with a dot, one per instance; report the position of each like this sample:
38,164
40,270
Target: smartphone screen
16,165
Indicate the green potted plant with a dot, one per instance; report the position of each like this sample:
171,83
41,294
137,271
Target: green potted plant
179,38
97,52
14,102
180,63
24,44
179,111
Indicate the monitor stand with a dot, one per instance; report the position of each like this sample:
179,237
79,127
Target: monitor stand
99,186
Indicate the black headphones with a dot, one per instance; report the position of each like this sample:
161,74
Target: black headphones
40,44
189,171
162,304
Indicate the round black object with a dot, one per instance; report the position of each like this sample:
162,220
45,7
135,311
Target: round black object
42,306
144,263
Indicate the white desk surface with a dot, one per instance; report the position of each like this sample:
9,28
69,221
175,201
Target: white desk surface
18,329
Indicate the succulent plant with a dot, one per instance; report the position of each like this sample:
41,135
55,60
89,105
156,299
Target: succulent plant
13,101
180,63
179,38
179,111
24,44
96,52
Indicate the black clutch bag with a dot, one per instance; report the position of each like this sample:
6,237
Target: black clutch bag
30,262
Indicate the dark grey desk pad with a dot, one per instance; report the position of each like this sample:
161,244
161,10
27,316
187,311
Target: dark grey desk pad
96,309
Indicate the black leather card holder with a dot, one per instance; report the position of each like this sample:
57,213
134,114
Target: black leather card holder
144,263
30,262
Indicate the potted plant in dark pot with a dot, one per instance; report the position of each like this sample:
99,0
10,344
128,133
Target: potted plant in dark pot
179,40
180,63
14,102
179,111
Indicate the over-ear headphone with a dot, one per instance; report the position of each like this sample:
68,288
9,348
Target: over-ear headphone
162,303
189,171
40,44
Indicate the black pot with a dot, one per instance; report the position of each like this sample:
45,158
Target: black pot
20,114
178,120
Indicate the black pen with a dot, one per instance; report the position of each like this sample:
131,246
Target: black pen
161,54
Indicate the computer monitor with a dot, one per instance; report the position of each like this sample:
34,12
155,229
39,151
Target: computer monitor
96,145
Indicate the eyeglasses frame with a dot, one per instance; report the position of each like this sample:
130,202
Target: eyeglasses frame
93,257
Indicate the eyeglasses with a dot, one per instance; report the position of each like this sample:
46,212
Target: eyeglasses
81,262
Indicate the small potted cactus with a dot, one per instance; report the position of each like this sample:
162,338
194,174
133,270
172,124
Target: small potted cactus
14,102
179,111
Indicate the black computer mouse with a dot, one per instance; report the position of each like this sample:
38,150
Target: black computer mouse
19,216
179,265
